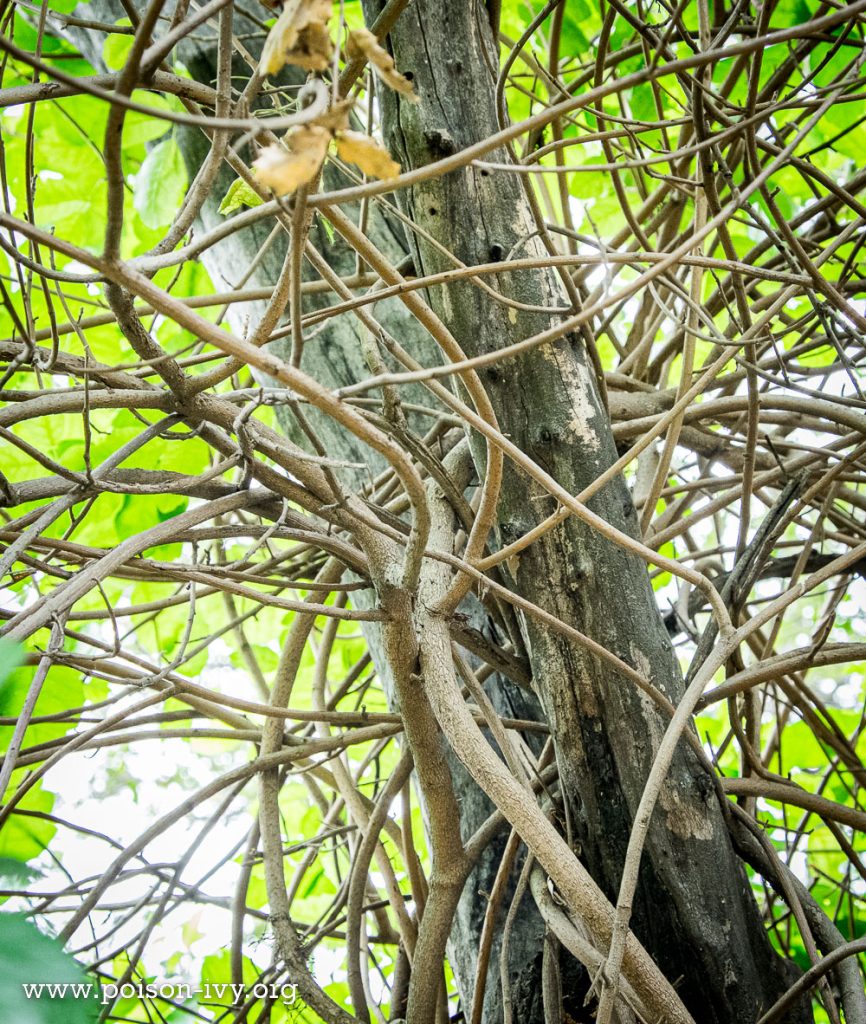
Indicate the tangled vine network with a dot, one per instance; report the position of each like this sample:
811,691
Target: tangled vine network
373,421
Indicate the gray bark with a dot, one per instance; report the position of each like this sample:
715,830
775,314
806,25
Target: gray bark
335,358
694,909
695,912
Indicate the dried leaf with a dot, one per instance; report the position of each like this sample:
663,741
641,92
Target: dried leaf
372,158
336,117
363,40
286,168
299,36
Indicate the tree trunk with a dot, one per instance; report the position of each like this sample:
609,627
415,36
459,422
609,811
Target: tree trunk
336,359
694,910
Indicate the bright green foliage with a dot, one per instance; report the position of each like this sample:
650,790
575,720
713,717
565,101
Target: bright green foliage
160,184
238,196
28,956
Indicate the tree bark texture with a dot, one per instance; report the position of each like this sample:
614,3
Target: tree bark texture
335,357
694,909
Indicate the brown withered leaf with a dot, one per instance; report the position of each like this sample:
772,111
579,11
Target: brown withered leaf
336,117
286,168
372,158
363,40
299,36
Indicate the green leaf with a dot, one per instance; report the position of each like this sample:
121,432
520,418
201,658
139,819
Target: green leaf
643,105
170,509
23,837
139,128
10,658
116,48
63,689
28,957
791,12
26,36
16,875
239,194
216,968
579,20
160,184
